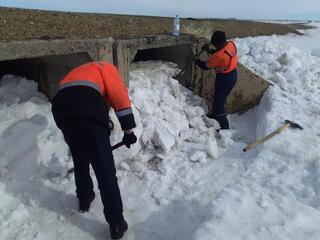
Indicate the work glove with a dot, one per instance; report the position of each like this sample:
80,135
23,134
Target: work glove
129,139
201,64
206,48
197,62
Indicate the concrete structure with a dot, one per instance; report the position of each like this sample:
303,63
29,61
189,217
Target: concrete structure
177,49
47,61
245,95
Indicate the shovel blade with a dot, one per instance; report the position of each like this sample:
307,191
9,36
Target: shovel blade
294,125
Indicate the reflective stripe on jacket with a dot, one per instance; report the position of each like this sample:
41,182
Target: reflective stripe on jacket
224,60
104,78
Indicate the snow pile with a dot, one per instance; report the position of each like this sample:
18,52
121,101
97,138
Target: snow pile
309,41
34,158
290,62
31,153
169,117
277,196
286,66
295,74
28,131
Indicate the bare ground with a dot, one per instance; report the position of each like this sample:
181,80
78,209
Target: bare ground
23,24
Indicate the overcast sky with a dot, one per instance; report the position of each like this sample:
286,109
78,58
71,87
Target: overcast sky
247,9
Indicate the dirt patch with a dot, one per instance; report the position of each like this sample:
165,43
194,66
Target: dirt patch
22,24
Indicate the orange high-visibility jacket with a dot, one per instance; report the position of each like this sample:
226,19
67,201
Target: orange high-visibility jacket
104,78
224,60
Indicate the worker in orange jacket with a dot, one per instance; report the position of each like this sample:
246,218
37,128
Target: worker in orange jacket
224,61
80,109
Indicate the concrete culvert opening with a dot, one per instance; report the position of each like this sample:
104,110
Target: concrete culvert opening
47,71
179,54
176,49
28,68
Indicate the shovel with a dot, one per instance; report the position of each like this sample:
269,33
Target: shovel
179,74
114,147
287,124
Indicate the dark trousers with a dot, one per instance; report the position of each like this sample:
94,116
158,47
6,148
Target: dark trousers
89,143
223,86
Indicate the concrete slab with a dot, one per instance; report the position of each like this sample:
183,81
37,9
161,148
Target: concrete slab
98,49
245,95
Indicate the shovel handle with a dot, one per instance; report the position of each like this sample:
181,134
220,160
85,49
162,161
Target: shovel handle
189,64
114,147
266,138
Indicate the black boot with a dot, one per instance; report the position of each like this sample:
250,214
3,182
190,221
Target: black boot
117,230
84,203
223,121
210,115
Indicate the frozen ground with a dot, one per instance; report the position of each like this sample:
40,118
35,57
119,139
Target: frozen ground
181,181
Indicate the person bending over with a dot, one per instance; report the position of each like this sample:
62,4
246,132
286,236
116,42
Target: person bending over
80,110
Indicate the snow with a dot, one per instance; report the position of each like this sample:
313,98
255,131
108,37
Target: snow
309,41
182,180
285,22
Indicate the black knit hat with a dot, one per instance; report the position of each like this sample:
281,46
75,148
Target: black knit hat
218,38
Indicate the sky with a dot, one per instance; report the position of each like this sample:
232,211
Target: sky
243,9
